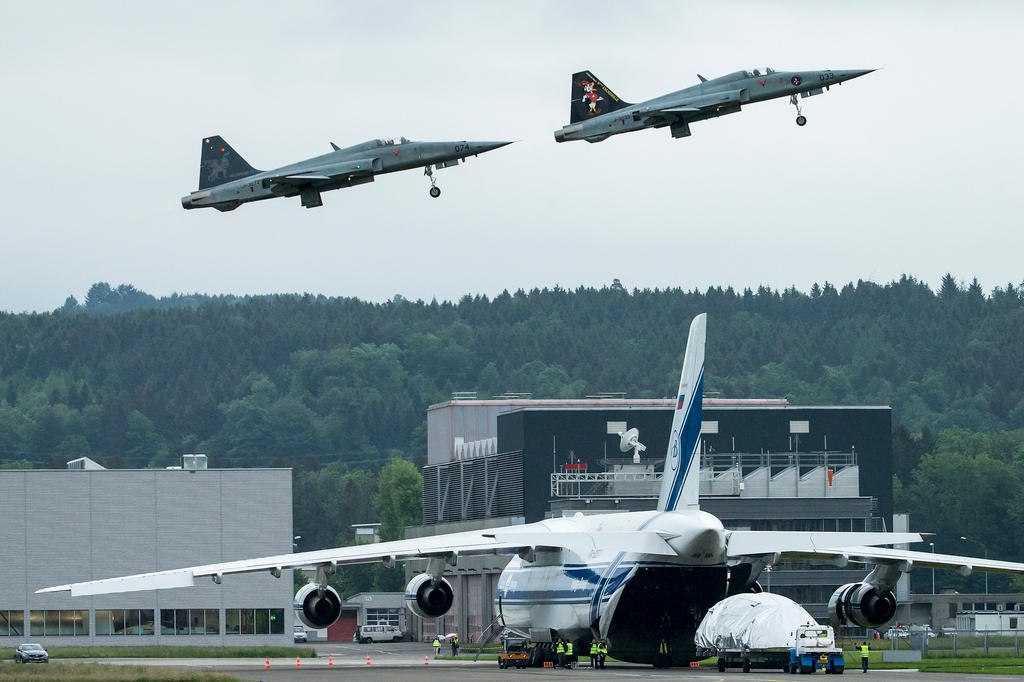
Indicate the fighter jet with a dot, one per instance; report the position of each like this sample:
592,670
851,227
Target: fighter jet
226,181
595,112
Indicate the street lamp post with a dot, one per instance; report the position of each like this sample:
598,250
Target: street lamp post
932,544
984,547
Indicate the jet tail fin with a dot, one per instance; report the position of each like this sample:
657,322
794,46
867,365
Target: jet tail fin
680,484
219,163
590,97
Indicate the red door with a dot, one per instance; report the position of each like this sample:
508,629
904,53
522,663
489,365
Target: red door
344,628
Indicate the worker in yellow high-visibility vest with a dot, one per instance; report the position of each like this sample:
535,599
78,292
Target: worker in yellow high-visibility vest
864,656
560,652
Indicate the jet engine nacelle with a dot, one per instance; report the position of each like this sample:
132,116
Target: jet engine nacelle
317,611
427,600
861,604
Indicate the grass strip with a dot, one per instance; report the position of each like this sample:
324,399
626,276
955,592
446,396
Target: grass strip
171,652
98,672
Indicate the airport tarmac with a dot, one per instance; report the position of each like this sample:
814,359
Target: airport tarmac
405,661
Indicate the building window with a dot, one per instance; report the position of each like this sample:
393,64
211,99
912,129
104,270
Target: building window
382,617
189,622
54,623
124,622
254,621
12,623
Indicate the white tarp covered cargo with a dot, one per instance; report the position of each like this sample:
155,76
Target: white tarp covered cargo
753,621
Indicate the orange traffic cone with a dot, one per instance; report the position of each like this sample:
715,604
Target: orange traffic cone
330,660
426,659
367,659
266,666
298,663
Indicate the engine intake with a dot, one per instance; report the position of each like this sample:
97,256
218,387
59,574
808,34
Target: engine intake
861,604
314,611
427,600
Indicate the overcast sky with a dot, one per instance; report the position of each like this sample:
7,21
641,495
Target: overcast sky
913,169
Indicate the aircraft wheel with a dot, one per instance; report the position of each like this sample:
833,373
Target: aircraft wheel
801,120
435,192
746,665
721,664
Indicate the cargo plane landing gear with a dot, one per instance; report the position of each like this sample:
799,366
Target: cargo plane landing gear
435,191
801,120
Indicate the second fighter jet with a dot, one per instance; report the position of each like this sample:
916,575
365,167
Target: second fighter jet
226,181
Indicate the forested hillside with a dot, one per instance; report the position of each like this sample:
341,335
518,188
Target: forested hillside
307,380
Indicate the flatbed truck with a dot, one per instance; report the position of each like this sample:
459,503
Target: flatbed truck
813,648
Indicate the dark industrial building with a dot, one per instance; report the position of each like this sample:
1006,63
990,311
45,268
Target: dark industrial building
765,465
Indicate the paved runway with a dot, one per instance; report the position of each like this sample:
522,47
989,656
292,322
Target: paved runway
405,661
317,671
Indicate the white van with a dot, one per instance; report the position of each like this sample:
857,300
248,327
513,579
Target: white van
378,633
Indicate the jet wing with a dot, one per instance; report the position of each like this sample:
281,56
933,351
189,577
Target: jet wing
332,171
841,548
671,110
495,541
697,105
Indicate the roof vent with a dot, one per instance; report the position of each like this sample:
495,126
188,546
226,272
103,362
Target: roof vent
193,462
83,463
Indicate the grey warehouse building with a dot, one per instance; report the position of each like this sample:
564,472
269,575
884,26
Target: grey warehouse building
64,526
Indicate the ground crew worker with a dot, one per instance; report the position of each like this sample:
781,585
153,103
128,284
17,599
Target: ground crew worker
602,650
595,651
570,661
455,645
663,659
560,652
864,656
437,647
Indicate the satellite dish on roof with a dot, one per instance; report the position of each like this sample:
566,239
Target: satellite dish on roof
629,441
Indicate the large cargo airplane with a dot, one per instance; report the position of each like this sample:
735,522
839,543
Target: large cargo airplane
633,578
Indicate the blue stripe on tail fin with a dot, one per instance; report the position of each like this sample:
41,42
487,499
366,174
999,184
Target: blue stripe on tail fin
680,484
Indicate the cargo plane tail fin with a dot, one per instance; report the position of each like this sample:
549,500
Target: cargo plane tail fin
680,484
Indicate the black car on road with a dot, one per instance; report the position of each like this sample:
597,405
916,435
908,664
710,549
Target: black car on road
31,653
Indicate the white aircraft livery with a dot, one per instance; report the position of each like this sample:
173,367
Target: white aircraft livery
633,578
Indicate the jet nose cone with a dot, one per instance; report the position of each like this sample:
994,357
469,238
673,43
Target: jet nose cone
852,73
481,147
